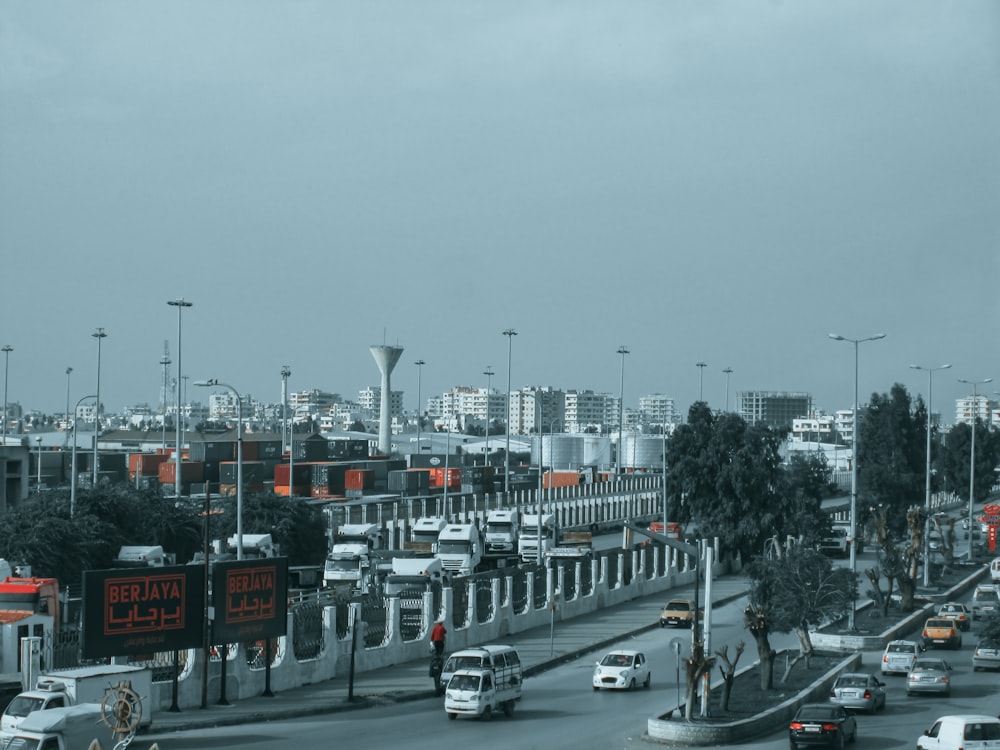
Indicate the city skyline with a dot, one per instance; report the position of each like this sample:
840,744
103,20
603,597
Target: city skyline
721,183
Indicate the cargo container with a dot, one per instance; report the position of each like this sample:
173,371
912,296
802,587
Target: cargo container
454,478
191,471
359,479
348,449
408,482
216,450
253,472
330,477
561,479
302,474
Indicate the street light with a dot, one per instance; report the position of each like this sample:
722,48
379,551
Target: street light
72,479
7,349
68,371
701,379
728,371
510,333
420,371
98,334
239,459
927,472
286,373
38,480
854,468
488,372
180,304
972,450
622,350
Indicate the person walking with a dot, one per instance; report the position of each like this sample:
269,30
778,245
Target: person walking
438,634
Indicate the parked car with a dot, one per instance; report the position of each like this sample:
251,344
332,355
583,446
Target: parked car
941,632
929,675
899,656
995,570
678,613
986,655
958,612
965,731
623,670
821,725
985,600
858,692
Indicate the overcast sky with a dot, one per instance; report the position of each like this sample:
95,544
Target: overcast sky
700,181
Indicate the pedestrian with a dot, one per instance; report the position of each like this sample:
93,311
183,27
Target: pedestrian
437,638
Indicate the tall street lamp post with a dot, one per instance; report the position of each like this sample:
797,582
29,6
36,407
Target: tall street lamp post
488,372
927,472
99,334
72,479
854,468
7,349
239,459
420,371
510,333
622,350
68,371
180,304
286,372
701,379
38,478
972,450
728,371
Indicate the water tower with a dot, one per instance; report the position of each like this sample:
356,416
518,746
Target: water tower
386,358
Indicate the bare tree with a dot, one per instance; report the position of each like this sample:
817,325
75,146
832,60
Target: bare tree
729,671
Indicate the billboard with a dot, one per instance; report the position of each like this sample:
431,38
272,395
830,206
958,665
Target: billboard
139,611
250,598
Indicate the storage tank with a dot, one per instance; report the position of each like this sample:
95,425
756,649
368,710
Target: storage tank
642,451
559,451
596,451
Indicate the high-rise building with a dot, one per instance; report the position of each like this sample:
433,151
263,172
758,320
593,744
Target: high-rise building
773,408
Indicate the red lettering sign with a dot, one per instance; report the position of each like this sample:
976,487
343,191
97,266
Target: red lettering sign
137,604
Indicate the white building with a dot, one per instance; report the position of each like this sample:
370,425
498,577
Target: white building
657,410
966,408
588,411
370,400
537,408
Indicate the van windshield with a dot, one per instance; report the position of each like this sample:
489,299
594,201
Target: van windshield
23,705
464,682
456,663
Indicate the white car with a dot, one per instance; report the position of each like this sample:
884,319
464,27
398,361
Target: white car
899,656
624,670
962,731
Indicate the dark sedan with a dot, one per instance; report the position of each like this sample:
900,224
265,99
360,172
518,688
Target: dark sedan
821,725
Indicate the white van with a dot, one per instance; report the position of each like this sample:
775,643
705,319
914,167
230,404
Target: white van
965,731
995,570
503,660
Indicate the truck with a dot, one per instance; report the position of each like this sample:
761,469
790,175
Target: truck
528,542
70,687
255,546
65,728
410,579
502,528
483,680
32,595
425,532
460,548
574,545
134,556
348,563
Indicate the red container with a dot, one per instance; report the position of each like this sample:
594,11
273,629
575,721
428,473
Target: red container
145,464
191,471
359,479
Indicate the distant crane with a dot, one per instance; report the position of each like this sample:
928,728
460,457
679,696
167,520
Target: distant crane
165,385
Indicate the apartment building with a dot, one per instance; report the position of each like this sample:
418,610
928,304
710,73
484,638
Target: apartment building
773,408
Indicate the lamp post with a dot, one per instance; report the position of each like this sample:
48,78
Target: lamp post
701,379
165,362
72,479
972,450
854,468
420,371
488,372
239,459
7,349
728,371
622,350
180,304
38,479
286,372
927,471
98,334
510,333
68,371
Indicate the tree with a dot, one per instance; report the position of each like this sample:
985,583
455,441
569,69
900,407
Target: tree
698,665
897,562
955,458
728,671
726,477
797,590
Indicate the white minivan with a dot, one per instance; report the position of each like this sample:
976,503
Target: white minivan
503,660
962,732
995,570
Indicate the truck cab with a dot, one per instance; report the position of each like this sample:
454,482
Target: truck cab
425,532
255,546
460,548
528,541
66,728
348,563
136,556
502,529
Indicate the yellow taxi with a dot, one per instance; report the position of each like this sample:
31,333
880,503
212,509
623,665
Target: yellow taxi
942,632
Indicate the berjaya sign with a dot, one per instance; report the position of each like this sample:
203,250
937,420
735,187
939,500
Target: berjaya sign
251,599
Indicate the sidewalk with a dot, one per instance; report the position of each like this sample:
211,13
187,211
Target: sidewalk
538,649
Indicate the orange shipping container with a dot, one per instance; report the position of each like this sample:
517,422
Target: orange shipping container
359,479
191,471
561,479
145,464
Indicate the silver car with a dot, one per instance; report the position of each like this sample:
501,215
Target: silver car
899,656
929,675
858,692
986,655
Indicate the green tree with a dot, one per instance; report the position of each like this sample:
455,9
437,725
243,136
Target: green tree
891,450
955,458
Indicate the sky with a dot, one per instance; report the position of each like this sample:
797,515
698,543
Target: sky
725,182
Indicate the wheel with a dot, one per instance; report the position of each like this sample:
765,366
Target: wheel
596,688
792,745
631,684
452,717
840,741
508,708
487,713
854,734
649,679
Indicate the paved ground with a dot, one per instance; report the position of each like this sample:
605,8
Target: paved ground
410,681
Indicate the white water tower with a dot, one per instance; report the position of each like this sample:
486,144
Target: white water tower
386,358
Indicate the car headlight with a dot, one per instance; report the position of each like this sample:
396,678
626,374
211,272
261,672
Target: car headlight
623,673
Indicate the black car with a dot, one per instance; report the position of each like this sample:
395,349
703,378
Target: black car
821,725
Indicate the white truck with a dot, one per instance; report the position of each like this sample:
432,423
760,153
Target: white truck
410,579
136,556
502,528
349,562
574,545
255,546
528,541
66,728
70,687
425,532
480,691
460,548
